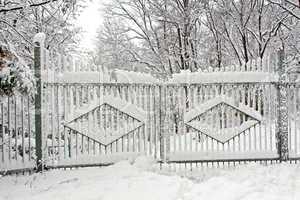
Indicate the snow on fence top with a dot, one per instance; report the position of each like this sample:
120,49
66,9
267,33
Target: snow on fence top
76,77
40,38
118,76
184,77
224,77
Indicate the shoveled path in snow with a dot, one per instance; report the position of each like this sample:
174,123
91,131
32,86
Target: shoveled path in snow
139,180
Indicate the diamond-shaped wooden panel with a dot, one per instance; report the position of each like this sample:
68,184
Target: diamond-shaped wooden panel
222,118
108,120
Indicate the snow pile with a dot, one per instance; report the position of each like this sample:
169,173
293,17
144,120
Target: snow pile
129,182
249,182
120,181
86,159
145,163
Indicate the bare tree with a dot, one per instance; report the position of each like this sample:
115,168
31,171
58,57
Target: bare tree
174,35
167,30
246,29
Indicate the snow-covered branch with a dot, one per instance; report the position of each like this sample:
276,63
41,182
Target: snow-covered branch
4,10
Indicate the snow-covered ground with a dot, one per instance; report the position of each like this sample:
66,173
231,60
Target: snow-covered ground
140,179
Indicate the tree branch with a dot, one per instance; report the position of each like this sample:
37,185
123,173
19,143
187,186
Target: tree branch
290,11
23,7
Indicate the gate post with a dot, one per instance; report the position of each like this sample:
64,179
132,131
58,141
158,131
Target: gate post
282,121
39,40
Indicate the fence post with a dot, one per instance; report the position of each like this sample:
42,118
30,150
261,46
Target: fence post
39,40
282,126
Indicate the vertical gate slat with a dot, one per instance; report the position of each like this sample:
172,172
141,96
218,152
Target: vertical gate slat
167,126
210,118
205,97
259,109
22,129
269,120
192,106
265,116
200,119
196,102
58,117
151,121
148,127
289,104
216,116
254,106
76,146
16,129
144,105
241,118
52,108
155,114
137,101
236,140
2,131
180,95
119,128
296,98
9,130
29,128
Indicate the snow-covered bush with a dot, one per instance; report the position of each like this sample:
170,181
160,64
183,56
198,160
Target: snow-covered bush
15,75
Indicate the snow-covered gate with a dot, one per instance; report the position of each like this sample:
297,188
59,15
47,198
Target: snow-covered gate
221,122
211,122
87,121
220,117
98,124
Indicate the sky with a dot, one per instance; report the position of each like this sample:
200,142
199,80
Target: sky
90,20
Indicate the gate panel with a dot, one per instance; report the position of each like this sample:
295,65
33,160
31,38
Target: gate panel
99,124
219,122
